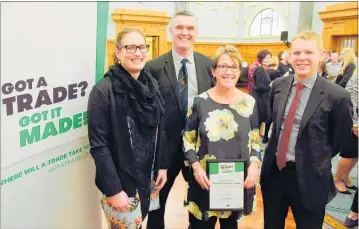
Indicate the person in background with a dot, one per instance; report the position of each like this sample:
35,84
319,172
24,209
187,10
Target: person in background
182,74
334,66
348,163
273,69
322,70
261,90
349,65
251,74
312,118
350,153
126,134
221,124
327,55
284,67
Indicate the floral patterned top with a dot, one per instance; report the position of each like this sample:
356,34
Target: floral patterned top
352,86
218,131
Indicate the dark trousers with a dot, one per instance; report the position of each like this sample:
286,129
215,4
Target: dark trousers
156,218
280,194
228,223
354,207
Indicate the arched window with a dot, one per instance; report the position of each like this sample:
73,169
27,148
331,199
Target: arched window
266,23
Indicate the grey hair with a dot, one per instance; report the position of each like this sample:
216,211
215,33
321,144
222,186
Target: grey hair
182,13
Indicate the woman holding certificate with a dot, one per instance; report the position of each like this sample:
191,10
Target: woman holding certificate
222,124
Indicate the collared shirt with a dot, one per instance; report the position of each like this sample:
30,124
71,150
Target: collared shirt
192,76
303,100
333,69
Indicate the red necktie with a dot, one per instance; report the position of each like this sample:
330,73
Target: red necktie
287,130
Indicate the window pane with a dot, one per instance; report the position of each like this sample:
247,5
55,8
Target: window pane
266,27
268,13
255,27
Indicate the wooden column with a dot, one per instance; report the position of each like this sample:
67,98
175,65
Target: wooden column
339,20
152,23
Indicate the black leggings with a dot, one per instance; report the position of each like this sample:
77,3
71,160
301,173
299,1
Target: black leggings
227,223
354,207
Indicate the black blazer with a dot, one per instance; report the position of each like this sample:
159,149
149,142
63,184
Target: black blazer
343,79
111,142
163,70
325,126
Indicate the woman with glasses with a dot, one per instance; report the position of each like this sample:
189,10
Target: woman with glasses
126,133
221,124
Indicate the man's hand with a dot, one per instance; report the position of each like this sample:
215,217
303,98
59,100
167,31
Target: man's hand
161,179
355,131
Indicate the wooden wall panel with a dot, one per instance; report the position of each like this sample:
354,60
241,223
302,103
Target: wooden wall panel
339,20
248,50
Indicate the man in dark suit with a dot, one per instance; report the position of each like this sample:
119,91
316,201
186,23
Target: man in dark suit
312,118
182,74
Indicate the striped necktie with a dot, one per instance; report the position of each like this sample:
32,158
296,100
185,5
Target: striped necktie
183,85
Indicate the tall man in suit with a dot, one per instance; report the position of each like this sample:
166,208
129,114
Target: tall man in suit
312,118
182,74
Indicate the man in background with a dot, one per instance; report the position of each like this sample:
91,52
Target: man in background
182,74
334,66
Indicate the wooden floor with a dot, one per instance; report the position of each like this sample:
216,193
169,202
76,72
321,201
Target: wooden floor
177,216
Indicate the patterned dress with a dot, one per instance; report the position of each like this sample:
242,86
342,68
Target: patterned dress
218,131
143,143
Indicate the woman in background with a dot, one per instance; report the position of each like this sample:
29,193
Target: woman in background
349,65
126,133
222,124
322,69
284,67
273,69
261,89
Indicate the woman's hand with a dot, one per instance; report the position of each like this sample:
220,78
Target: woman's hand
200,175
119,202
161,179
252,175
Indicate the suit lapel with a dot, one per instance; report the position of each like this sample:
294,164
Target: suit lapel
315,98
284,94
171,74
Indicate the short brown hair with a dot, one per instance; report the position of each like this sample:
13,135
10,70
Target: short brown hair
262,55
122,34
231,51
182,13
310,35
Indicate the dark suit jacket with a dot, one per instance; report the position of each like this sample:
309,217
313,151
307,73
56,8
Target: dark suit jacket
163,70
325,126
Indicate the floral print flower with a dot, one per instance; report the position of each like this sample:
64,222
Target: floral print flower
191,141
220,124
220,214
194,210
203,162
244,108
204,95
254,140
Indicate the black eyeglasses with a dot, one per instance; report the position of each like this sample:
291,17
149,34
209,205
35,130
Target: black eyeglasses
224,68
133,48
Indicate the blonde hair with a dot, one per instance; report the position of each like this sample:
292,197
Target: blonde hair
120,37
310,36
231,51
349,57
273,62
